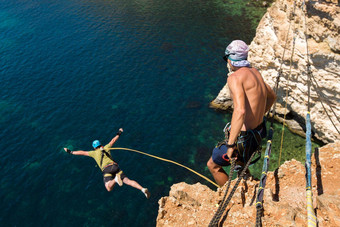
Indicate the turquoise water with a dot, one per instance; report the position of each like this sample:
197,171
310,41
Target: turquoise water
75,71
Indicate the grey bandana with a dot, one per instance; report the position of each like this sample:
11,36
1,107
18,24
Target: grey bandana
237,52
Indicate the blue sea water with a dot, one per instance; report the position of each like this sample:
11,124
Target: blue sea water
74,71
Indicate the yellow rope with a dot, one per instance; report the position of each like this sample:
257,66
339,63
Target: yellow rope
166,160
283,129
287,88
311,218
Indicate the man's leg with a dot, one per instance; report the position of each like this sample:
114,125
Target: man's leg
218,172
108,174
134,184
109,185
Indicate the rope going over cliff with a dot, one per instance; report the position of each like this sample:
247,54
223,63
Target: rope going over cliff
214,221
312,221
288,78
224,203
263,180
322,98
166,160
311,218
312,79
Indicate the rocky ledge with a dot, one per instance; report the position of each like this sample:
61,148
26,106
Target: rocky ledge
284,197
269,52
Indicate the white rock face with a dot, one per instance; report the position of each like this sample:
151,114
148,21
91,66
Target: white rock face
280,43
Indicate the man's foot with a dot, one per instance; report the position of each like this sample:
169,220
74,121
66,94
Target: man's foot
146,192
118,178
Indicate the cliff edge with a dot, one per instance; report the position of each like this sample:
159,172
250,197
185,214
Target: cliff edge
284,197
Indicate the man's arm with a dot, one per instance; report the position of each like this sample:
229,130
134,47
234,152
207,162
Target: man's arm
84,153
271,97
114,139
239,113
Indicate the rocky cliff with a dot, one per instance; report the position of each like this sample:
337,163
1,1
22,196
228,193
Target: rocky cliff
284,197
280,43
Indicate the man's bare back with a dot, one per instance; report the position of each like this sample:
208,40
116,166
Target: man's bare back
252,98
255,95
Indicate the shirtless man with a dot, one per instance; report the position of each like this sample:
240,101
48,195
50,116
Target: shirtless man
252,98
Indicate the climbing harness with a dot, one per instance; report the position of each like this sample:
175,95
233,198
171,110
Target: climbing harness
102,157
226,131
243,137
166,160
250,137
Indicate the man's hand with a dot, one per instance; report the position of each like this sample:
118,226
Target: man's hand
230,152
229,155
68,150
119,131
116,137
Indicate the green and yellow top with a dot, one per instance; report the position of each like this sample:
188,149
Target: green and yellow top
97,155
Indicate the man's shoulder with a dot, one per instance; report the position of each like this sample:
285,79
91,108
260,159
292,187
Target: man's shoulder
91,153
107,146
243,72
237,75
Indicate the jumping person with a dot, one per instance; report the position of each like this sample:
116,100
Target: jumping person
112,174
252,98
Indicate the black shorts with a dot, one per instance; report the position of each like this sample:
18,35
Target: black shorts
247,143
109,173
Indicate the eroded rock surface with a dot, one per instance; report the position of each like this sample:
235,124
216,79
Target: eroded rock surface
284,197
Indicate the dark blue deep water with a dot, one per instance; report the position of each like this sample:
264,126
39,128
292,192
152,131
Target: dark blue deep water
72,71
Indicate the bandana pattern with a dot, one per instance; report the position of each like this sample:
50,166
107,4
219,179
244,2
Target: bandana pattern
242,63
237,50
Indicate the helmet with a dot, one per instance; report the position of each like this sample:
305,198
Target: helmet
96,144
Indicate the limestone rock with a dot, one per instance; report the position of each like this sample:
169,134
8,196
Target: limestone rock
284,197
223,100
280,38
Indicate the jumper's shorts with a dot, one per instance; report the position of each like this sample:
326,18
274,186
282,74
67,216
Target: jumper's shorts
109,173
